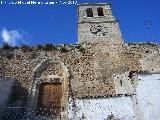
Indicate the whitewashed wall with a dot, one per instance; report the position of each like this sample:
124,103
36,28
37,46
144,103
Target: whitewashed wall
99,109
148,95
144,105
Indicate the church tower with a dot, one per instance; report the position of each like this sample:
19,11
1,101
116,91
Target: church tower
96,24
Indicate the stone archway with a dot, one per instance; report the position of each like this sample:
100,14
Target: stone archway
50,74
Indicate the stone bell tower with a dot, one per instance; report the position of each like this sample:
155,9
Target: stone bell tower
96,24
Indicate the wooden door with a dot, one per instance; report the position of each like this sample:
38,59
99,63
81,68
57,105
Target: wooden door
49,99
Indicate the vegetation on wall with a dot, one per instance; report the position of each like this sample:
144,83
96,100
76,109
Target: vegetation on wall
6,51
150,43
63,48
82,50
6,46
48,47
39,47
26,48
78,46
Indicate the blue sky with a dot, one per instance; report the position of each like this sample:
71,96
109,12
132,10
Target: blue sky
139,21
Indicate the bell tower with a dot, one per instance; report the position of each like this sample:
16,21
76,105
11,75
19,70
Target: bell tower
97,24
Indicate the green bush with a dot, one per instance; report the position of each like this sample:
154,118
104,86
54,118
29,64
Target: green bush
15,47
39,47
150,43
49,47
78,46
26,48
63,49
6,46
82,50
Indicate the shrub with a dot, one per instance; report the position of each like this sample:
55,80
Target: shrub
49,47
82,50
6,46
15,47
39,47
150,43
26,48
63,49
78,46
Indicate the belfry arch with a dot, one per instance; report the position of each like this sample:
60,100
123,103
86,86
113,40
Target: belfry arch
89,12
49,88
100,11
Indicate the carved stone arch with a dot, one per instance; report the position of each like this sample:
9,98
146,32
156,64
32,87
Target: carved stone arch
39,79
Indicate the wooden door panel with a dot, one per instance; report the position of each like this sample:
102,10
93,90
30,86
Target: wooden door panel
50,98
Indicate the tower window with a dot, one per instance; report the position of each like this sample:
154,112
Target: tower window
89,12
121,82
100,11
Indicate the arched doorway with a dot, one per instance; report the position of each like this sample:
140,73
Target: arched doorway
49,89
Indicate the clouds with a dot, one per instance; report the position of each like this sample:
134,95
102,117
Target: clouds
14,37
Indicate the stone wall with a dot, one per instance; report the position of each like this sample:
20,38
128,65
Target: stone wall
91,70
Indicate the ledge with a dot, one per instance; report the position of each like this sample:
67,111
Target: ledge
98,21
105,96
95,4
